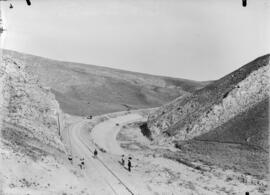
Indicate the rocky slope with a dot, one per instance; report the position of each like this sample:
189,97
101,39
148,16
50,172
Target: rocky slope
29,110
225,124
250,127
212,106
32,156
83,89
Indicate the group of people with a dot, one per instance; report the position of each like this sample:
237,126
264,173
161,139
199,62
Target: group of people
27,1
82,164
128,163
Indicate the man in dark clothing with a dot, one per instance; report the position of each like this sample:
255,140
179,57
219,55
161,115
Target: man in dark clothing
123,160
95,153
129,164
70,158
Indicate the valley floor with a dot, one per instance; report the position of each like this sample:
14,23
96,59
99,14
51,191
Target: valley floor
152,173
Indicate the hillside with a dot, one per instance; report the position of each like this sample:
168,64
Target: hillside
249,127
207,108
86,89
29,112
224,124
240,144
32,156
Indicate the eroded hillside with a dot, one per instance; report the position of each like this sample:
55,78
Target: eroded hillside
29,110
208,108
225,124
31,152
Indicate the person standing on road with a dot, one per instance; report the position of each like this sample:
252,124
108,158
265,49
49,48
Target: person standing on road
70,158
95,153
123,160
129,164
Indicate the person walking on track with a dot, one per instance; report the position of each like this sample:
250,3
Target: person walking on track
81,165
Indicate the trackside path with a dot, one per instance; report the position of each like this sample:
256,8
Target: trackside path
105,174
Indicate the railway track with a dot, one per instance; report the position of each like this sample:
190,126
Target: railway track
90,149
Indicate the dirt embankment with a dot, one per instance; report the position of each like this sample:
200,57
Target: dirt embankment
30,116
30,147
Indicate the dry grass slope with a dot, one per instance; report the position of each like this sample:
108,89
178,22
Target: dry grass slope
250,128
86,89
240,144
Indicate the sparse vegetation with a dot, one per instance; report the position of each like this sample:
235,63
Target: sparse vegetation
31,151
82,89
146,131
244,159
211,106
224,124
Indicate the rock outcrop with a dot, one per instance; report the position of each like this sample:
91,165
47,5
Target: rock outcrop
29,112
32,158
208,108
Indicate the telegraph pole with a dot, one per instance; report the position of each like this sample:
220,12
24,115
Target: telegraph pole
59,127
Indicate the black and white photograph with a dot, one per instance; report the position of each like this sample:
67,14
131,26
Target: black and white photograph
134,97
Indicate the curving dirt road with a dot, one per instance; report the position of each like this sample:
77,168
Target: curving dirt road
150,174
105,174
105,133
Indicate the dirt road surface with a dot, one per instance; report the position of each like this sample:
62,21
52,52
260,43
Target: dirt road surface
105,174
151,173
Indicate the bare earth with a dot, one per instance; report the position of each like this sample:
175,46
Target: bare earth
33,157
151,173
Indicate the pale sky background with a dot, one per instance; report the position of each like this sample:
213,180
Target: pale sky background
193,39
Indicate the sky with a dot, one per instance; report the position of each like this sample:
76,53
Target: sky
192,39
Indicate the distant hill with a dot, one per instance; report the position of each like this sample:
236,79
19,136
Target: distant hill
87,89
